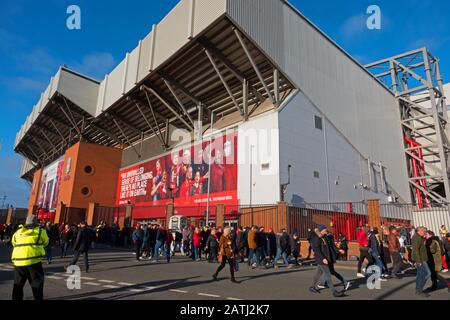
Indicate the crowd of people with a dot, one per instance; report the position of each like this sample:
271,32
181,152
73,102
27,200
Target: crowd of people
254,245
408,249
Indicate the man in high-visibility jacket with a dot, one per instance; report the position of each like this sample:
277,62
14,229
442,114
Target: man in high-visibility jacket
29,242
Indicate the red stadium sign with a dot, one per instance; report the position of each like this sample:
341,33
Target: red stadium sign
184,175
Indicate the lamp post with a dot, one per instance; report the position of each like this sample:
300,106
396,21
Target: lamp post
209,167
251,180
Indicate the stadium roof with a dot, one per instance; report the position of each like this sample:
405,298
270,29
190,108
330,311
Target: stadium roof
194,62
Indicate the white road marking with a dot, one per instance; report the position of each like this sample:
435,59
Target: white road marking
179,291
208,295
54,277
91,283
111,287
148,288
136,290
87,278
106,281
126,284
231,298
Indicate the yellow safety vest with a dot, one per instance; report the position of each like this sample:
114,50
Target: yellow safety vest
28,246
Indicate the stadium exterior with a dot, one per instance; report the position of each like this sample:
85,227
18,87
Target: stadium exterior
278,90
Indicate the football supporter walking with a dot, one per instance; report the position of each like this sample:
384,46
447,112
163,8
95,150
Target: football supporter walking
226,254
420,257
324,256
363,242
138,238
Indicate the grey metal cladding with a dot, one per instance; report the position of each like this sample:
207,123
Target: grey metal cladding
362,109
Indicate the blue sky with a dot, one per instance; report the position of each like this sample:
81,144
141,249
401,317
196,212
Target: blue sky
34,42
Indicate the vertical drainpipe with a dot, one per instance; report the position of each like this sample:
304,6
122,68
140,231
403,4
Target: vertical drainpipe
326,158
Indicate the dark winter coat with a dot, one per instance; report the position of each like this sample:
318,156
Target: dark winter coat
323,249
419,250
83,240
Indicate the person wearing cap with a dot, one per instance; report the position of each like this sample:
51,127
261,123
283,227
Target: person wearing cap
29,244
325,257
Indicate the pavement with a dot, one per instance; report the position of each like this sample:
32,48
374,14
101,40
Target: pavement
116,275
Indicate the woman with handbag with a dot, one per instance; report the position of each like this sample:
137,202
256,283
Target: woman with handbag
226,254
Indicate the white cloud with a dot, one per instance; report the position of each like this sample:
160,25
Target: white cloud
23,84
432,43
353,26
96,64
39,60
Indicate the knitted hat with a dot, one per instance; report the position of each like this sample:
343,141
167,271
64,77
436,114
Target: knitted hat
321,227
31,221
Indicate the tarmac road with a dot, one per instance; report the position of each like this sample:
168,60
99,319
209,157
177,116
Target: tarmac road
115,274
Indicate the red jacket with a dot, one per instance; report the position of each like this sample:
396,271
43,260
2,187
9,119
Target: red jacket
197,239
362,238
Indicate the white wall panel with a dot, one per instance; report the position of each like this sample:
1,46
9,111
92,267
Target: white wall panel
265,182
114,85
172,33
206,12
79,90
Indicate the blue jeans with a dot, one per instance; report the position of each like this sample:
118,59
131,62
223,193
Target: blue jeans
281,254
196,253
251,256
378,262
167,252
158,245
48,253
423,274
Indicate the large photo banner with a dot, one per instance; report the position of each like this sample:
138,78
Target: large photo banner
50,183
184,175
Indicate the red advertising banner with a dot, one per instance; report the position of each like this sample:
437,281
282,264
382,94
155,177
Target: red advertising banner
184,176
50,183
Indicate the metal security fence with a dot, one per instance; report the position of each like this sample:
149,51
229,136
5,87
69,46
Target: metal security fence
432,218
348,207
346,223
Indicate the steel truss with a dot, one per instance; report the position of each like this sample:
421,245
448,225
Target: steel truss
415,79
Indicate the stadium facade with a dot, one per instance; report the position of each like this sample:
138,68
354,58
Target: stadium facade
282,98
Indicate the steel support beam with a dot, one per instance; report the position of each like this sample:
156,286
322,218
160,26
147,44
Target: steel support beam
253,63
206,44
180,103
168,105
222,79
125,136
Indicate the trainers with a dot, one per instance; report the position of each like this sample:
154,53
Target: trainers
360,275
445,270
214,276
313,290
347,285
338,294
321,286
422,294
234,280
